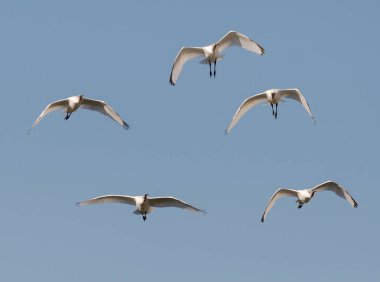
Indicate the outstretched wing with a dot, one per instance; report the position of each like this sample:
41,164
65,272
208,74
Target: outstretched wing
295,94
103,108
337,189
278,194
234,38
60,104
244,107
124,199
184,55
162,202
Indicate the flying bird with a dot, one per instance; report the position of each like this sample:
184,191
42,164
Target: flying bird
144,205
71,104
272,97
212,53
305,195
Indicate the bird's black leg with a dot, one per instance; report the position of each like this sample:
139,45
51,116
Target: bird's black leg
300,205
209,63
144,216
275,115
272,108
67,116
215,68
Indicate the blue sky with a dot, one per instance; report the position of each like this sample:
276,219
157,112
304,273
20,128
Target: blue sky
122,52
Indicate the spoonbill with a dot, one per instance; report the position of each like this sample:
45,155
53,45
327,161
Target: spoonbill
71,104
272,97
144,204
304,196
212,53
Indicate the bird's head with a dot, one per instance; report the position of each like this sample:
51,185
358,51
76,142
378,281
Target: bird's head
146,196
81,97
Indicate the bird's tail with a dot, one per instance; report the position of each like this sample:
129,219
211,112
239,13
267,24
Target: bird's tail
221,57
206,62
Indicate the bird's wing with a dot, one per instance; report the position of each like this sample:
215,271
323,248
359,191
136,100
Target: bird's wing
234,38
337,189
109,199
103,108
57,105
295,94
162,202
278,194
244,107
185,54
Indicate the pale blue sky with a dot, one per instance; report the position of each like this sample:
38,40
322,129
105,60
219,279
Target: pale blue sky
122,52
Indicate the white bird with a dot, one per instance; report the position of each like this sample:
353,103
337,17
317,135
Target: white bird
305,195
144,205
212,53
71,104
273,97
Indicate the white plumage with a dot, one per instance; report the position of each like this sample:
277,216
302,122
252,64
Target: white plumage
73,103
273,97
212,53
144,204
305,195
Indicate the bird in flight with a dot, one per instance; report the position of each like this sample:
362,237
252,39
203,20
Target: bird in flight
71,104
212,53
304,196
272,97
144,204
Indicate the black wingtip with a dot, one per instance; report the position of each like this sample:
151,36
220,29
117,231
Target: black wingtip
262,50
171,79
262,220
77,204
126,126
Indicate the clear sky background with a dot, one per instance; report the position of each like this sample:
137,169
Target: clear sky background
122,52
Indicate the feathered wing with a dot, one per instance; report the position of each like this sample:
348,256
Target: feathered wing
278,194
337,189
103,108
184,55
234,38
124,199
244,107
60,104
295,94
162,202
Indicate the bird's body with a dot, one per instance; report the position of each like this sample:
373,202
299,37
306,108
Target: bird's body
74,103
272,97
71,104
305,195
212,53
144,204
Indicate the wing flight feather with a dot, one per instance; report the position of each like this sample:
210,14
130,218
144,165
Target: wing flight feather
124,199
337,189
282,192
234,38
184,55
244,107
161,202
